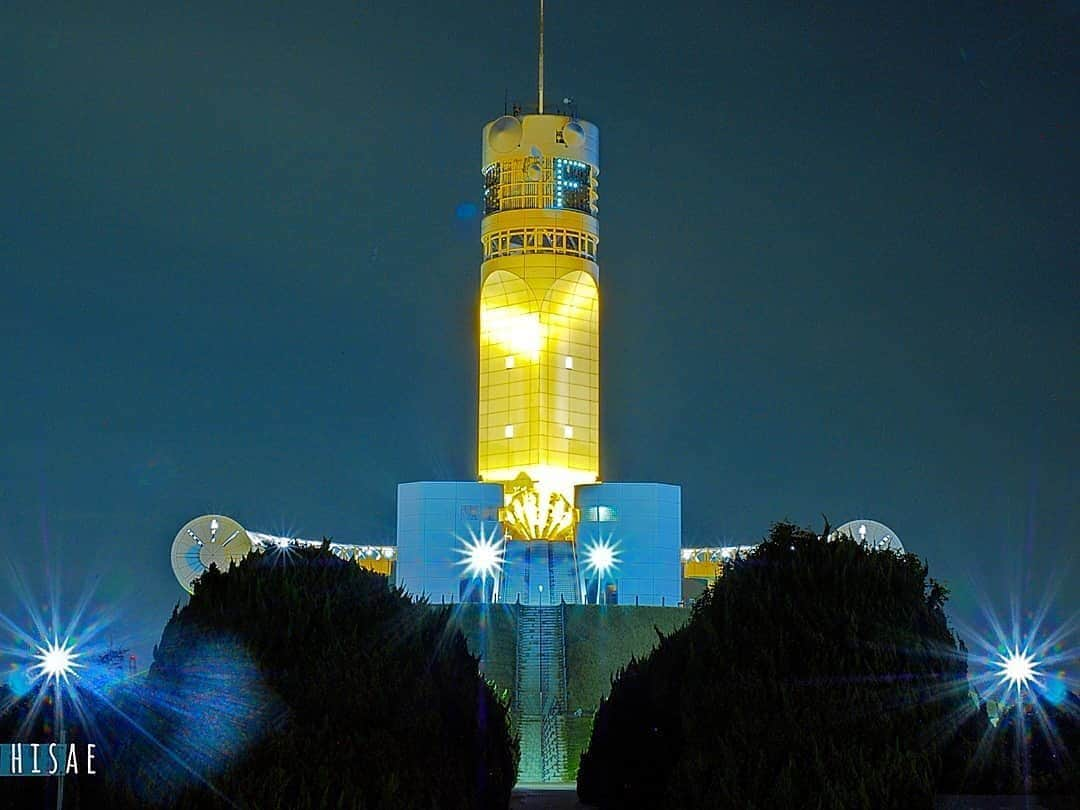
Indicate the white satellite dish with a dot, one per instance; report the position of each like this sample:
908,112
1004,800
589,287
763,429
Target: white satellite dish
205,541
871,534
573,134
504,135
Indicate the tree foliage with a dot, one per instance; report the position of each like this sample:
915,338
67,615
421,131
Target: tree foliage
299,681
374,702
813,674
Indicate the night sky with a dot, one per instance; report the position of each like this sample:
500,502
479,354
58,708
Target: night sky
239,251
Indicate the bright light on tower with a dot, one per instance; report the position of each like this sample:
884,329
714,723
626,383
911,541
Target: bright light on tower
483,555
516,330
601,557
1017,668
56,661
485,558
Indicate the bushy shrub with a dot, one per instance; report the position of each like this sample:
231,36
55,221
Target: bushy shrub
375,702
299,680
813,674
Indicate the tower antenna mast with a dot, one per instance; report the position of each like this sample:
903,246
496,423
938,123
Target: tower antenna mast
540,104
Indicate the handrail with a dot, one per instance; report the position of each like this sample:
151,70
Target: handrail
549,744
516,612
562,630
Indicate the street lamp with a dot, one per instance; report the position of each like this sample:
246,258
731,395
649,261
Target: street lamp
56,664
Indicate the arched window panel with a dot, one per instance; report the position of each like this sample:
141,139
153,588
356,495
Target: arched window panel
511,337
570,390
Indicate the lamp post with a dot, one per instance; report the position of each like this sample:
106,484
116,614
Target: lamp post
60,783
56,663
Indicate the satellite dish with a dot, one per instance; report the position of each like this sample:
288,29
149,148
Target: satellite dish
205,541
871,534
573,134
505,134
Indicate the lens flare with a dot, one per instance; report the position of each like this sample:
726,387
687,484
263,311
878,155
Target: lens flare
601,557
61,654
1018,669
483,556
56,661
1022,670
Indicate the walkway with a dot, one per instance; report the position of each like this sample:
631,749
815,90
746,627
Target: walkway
547,796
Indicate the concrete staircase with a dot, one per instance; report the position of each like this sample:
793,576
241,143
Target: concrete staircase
552,669
529,661
531,766
541,692
553,751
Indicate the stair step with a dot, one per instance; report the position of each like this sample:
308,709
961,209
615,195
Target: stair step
541,676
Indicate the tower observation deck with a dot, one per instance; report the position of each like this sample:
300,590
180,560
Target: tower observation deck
539,399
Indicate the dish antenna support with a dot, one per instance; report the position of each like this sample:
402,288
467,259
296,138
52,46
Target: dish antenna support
870,533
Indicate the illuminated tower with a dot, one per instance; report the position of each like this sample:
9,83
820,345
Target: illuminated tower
539,405
538,426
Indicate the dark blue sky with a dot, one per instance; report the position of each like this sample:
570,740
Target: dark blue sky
838,260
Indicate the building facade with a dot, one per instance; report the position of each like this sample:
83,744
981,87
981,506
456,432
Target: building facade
538,414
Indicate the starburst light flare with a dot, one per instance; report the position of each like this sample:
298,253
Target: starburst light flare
483,556
601,557
56,661
1018,669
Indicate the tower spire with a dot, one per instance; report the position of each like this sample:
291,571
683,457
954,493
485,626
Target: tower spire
540,103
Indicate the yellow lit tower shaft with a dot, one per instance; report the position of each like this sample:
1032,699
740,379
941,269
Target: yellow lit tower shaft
539,425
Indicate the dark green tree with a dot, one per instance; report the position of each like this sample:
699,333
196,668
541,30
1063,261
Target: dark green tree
298,680
812,674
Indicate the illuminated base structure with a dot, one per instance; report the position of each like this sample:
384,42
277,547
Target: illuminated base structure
616,549
453,546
